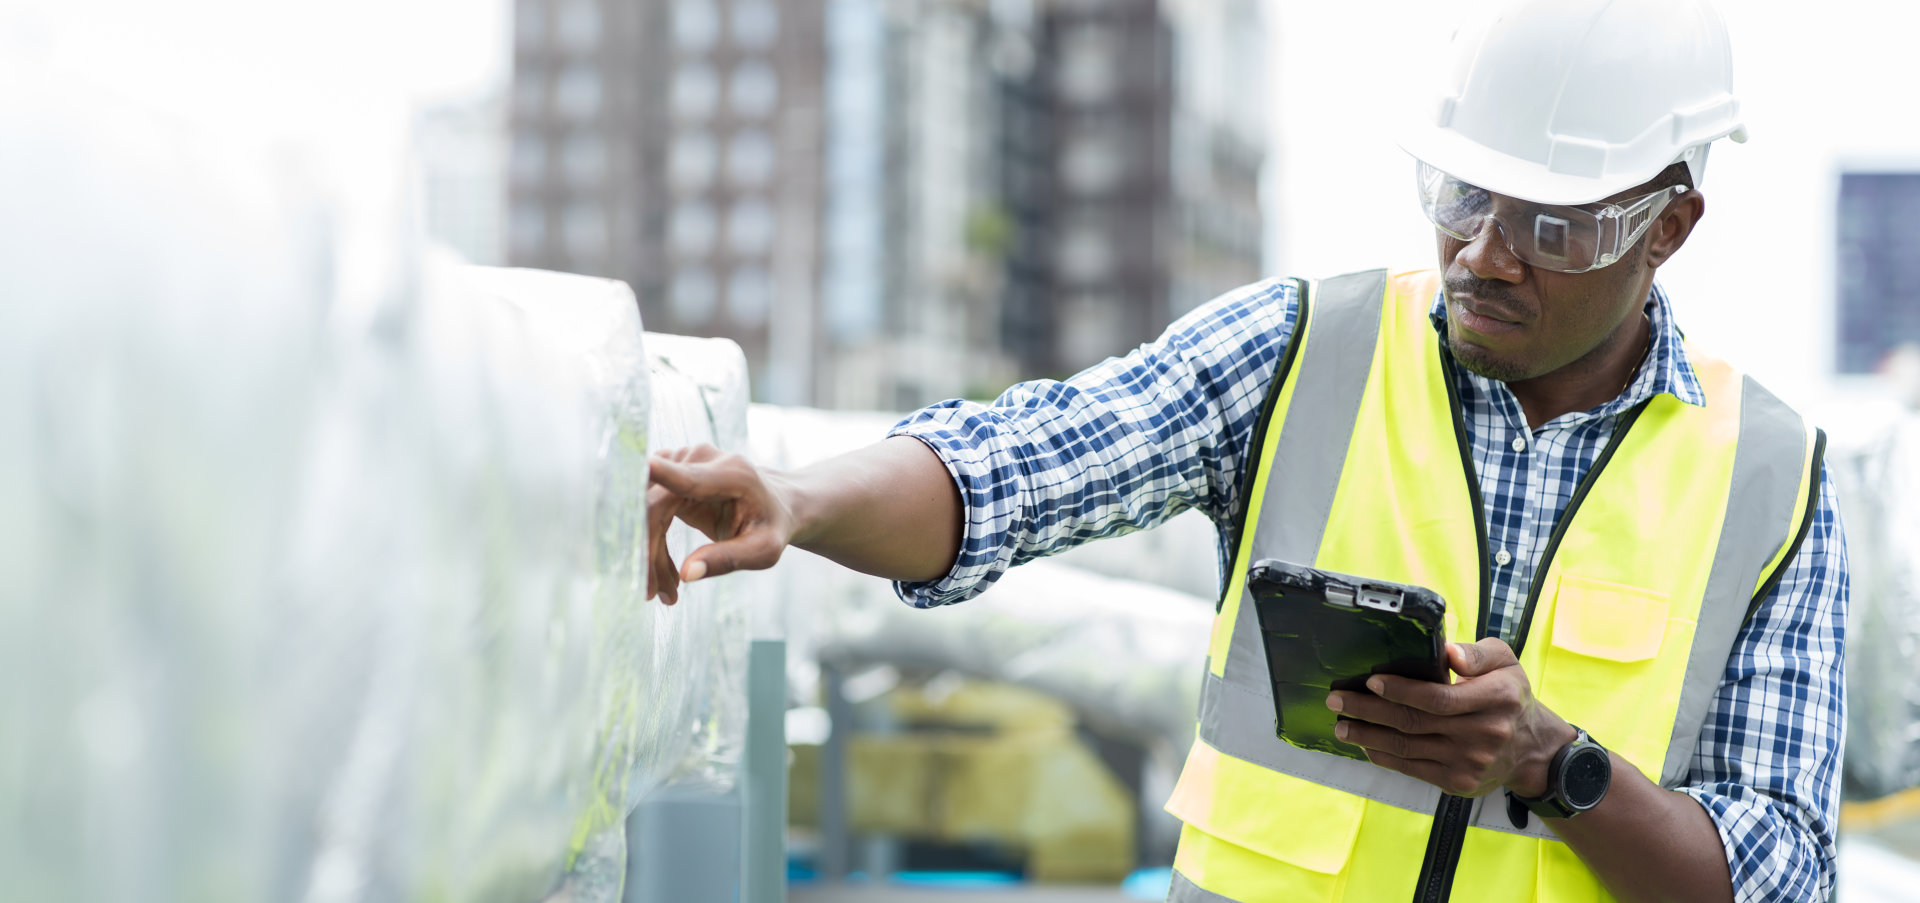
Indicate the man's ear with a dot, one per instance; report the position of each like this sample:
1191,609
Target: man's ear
1670,231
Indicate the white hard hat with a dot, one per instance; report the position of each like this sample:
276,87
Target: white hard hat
1570,101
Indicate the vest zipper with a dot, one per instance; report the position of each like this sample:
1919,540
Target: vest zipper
1452,816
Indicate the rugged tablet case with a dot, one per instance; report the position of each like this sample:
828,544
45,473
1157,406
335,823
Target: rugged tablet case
1325,631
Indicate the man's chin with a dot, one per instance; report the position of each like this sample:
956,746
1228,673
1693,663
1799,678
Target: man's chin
1480,361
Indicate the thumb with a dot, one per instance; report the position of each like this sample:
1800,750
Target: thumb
754,550
1484,657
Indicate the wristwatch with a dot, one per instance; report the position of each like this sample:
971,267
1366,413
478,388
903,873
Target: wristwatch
1577,780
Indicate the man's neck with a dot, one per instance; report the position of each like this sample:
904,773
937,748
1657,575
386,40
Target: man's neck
1590,381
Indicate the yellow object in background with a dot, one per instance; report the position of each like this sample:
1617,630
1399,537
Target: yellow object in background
989,763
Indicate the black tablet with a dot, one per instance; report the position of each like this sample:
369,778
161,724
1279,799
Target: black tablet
1325,631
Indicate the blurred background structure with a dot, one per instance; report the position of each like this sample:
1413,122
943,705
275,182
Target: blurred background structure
890,203
883,203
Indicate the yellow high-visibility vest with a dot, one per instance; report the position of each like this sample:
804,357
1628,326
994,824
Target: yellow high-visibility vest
1685,521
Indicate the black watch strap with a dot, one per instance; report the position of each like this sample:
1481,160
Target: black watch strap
1555,803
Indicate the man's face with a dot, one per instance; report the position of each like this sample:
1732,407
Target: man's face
1510,321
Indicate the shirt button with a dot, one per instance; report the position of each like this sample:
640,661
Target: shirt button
1519,443
1502,558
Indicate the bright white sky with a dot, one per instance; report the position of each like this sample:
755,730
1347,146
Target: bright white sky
1338,198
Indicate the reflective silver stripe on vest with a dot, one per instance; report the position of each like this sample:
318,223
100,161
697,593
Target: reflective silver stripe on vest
1184,891
1767,469
1236,712
1330,378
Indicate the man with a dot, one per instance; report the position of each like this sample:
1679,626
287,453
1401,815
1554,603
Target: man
1642,540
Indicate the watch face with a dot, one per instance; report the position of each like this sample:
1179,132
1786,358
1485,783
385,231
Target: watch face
1584,779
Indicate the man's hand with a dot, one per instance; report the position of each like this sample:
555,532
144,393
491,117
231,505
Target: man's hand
890,509
745,511
1469,738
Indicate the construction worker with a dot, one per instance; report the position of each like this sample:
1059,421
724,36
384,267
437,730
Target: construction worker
1646,576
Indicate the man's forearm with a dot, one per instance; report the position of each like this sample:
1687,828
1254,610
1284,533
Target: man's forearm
890,509
1648,844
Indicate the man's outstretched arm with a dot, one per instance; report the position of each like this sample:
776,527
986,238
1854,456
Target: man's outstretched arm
1048,465
890,509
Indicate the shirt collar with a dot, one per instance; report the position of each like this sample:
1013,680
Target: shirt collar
1666,370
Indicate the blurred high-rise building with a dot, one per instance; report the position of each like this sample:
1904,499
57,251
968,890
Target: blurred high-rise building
461,152
886,202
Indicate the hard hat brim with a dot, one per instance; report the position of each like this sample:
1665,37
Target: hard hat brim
1469,161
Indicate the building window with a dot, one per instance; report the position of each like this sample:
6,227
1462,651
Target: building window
749,295
755,23
750,157
695,90
1090,327
1878,266
527,233
690,298
577,92
584,229
529,92
583,158
690,162
691,231
1089,70
753,89
1094,163
529,23
1085,253
529,162
578,25
696,24
749,227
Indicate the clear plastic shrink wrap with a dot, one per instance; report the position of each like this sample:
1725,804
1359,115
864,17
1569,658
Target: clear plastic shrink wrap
1880,495
700,397
320,557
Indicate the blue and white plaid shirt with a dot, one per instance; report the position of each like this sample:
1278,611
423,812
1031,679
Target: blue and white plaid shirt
1133,441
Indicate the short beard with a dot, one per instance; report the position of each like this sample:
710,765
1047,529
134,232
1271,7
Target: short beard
1477,361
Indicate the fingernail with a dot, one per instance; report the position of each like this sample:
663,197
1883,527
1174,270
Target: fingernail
1340,730
1333,702
695,571
1376,684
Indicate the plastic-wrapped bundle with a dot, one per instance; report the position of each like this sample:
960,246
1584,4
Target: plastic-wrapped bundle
700,397
1881,497
320,569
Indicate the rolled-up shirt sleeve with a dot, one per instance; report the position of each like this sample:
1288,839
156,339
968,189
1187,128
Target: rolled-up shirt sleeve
1121,446
1767,765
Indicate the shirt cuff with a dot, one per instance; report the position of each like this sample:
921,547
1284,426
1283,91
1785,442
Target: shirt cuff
952,430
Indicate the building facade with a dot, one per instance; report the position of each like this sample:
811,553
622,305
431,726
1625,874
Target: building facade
888,202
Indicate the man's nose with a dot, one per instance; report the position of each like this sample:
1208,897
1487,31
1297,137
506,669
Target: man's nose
1489,255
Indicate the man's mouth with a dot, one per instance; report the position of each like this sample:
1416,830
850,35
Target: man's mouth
1482,319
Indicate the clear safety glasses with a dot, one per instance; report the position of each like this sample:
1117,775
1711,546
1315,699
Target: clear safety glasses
1549,236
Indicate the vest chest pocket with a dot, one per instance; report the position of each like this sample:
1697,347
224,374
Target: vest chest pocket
1614,662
